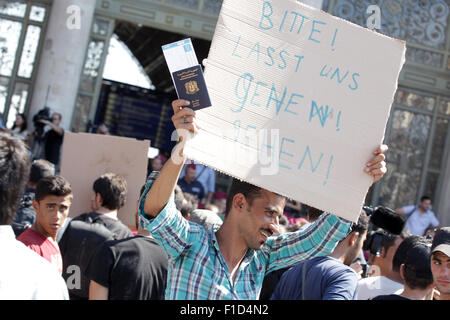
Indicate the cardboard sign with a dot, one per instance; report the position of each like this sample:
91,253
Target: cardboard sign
85,157
300,101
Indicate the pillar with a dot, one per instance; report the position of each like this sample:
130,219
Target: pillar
62,58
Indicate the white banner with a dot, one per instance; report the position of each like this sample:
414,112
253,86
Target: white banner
300,101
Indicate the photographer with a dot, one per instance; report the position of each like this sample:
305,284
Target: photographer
53,139
382,242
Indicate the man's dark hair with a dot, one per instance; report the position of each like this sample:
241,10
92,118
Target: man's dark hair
113,190
417,269
52,186
388,239
362,225
14,170
402,250
249,191
423,198
314,214
41,169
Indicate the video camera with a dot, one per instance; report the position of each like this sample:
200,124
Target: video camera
384,223
43,114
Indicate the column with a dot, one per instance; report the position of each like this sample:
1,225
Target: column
62,58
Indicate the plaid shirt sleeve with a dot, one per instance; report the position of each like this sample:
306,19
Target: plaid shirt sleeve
319,239
172,232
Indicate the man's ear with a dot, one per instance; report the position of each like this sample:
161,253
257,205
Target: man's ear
36,206
239,201
402,271
353,238
99,199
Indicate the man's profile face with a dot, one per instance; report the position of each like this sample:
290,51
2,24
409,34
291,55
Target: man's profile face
440,267
425,204
260,220
356,249
51,212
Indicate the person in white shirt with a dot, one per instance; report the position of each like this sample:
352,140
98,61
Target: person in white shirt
24,274
419,217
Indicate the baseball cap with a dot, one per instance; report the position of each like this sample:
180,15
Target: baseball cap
417,260
441,241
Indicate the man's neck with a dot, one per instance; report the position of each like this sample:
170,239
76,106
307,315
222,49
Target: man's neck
422,210
232,246
338,253
38,228
107,212
444,296
414,294
394,276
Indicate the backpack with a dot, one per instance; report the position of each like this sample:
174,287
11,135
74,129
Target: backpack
80,241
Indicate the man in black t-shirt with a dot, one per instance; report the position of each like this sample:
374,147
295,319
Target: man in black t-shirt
130,269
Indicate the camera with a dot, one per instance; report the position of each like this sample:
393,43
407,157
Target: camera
43,114
384,223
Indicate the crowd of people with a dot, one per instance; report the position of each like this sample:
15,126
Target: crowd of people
192,242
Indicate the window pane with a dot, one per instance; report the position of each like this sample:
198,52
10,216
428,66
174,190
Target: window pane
406,155
3,93
431,185
445,107
37,14
13,8
29,51
440,135
9,39
92,65
416,21
411,99
101,27
18,102
81,116
212,6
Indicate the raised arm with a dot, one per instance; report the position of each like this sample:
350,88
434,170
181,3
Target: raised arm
158,196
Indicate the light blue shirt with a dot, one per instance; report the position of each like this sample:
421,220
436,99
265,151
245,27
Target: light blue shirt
417,222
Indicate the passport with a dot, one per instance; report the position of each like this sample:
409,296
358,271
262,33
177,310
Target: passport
191,86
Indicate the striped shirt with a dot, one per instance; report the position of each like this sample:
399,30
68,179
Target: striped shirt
197,269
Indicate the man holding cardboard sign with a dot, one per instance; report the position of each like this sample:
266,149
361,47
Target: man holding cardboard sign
231,263
285,70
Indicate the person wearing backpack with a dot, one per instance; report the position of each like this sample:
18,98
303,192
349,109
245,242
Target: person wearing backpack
419,217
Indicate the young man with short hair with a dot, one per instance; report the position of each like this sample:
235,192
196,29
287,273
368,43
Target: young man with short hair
440,263
231,262
134,268
51,204
109,194
327,277
23,273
